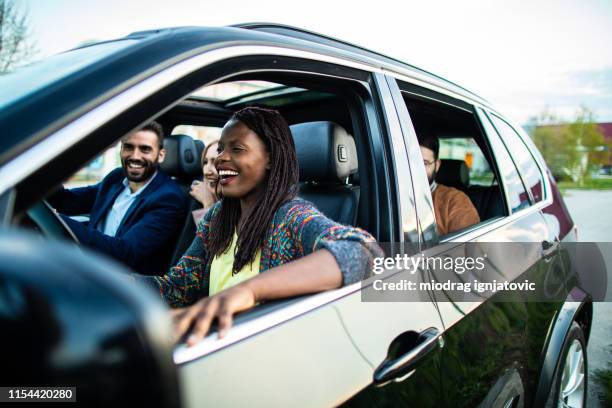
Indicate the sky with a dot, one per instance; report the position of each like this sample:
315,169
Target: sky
524,57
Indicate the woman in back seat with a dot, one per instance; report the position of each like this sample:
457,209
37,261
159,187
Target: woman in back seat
206,191
259,242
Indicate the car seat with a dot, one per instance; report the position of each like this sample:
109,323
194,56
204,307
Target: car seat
487,199
183,164
327,158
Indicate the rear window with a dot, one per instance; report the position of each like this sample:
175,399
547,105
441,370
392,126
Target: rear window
522,157
517,195
468,151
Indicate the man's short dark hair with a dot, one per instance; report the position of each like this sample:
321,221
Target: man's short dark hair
430,141
156,128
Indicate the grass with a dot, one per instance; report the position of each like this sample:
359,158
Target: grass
604,379
588,184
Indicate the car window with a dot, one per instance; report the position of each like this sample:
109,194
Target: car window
94,171
468,150
466,180
524,160
515,190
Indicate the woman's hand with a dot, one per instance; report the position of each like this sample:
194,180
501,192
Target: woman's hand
201,192
313,273
221,306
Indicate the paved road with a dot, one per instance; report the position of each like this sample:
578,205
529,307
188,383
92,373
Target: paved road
592,213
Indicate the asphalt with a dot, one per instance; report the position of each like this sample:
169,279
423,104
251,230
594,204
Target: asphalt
591,211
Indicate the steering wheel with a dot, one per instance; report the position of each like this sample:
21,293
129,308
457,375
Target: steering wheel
49,222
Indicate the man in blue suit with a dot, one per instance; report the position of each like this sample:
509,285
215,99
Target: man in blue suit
136,211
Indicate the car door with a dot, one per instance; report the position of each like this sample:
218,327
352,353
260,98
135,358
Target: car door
335,346
399,333
492,348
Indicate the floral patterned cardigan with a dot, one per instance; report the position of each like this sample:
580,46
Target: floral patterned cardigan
298,229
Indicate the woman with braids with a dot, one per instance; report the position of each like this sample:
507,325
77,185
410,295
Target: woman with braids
259,242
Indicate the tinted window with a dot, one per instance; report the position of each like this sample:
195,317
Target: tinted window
468,151
517,195
522,157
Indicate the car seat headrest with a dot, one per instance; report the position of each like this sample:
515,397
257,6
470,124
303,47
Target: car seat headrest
325,151
454,173
183,155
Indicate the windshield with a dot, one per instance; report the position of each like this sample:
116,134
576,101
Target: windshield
31,78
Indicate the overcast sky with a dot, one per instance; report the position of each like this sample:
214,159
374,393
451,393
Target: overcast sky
523,56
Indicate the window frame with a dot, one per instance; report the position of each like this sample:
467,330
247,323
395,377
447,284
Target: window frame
484,121
518,168
419,91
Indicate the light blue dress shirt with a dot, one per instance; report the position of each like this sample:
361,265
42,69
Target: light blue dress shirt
120,207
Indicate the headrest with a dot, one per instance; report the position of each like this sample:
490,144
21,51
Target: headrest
183,155
325,151
454,173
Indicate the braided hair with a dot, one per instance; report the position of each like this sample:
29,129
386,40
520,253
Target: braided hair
281,184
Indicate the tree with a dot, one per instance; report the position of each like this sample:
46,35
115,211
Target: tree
571,150
14,45
590,140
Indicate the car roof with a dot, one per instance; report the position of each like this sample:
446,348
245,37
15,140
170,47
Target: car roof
27,120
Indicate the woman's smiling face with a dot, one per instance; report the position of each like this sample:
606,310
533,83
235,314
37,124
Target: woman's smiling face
242,163
209,169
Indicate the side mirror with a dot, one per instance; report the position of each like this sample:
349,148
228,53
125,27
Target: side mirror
72,318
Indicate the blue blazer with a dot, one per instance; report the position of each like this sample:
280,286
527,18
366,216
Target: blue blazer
149,230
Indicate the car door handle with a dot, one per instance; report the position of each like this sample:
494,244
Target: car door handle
401,364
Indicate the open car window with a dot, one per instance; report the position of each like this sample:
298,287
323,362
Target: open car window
95,170
466,162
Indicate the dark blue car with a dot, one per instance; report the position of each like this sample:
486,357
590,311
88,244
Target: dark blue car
71,318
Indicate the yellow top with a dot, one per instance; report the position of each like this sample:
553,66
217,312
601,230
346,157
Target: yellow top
221,277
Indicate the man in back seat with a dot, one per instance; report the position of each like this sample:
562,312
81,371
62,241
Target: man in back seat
454,210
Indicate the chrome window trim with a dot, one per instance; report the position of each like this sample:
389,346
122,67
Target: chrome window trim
411,77
536,158
487,226
40,154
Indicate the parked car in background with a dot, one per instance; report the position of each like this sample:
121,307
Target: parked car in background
69,317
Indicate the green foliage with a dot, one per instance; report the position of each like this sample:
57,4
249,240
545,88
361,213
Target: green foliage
604,378
588,184
571,150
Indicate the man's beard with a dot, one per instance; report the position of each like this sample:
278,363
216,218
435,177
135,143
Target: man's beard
148,170
432,178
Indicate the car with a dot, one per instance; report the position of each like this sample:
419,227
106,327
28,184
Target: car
72,318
